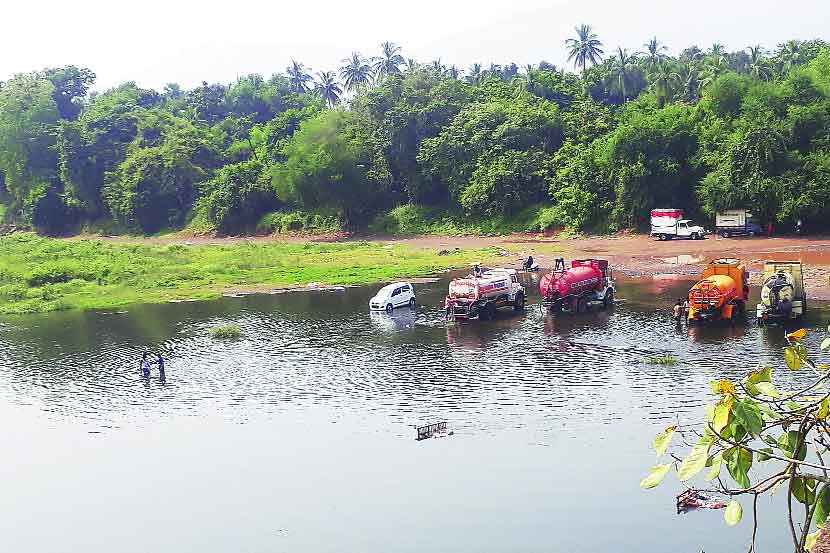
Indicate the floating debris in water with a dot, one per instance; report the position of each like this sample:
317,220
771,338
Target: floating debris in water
435,430
692,499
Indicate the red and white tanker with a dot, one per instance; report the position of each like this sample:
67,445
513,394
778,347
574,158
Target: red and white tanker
586,281
479,294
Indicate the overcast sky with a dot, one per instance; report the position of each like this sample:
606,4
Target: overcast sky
154,42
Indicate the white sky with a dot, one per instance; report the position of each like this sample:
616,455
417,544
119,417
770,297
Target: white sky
154,42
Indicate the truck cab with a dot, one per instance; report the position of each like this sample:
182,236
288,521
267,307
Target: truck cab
667,224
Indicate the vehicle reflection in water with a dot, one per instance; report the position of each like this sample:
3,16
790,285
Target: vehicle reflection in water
399,320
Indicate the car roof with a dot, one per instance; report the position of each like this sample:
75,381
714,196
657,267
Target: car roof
393,285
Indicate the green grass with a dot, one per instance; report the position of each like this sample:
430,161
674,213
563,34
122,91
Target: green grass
317,222
416,220
44,274
225,332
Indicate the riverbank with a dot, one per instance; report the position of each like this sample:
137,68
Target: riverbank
44,274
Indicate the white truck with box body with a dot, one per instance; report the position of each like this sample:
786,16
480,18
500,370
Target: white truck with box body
736,222
669,223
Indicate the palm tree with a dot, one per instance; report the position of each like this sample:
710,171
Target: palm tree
356,72
586,47
757,65
328,87
655,51
621,66
454,72
389,62
474,74
713,69
665,80
494,69
411,65
690,77
437,66
717,51
298,77
790,54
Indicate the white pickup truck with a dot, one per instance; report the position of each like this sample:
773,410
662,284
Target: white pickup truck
669,223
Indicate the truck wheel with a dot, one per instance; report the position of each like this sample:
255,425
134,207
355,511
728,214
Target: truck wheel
581,305
724,234
608,300
412,304
694,236
490,310
519,302
664,237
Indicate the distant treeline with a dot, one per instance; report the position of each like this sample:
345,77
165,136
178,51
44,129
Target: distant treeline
387,137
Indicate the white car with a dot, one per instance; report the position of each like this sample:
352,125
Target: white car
397,294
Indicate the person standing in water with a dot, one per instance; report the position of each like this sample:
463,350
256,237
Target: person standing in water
678,312
145,365
160,363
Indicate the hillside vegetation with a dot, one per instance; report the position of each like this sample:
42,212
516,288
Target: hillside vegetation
393,145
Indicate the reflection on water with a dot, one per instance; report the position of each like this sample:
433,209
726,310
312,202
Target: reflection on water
552,419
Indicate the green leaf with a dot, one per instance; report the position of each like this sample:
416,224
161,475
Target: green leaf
768,389
739,465
768,411
787,442
661,441
749,415
792,358
733,513
695,461
763,454
802,351
822,506
657,474
825,343
804,490
714,472
823,409
761,375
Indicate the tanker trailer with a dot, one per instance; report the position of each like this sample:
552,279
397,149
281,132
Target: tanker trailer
721,293
574,288
479,295
783,296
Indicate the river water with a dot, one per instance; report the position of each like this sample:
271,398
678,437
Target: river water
299,437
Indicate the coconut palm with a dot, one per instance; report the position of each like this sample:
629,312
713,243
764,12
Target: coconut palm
585,48
712,69
411,65
621,66
655,51
790,54
298,77
437,66
328,87
356,73
665,80
389,62
717,51
454,72
758,66
474,74
690,77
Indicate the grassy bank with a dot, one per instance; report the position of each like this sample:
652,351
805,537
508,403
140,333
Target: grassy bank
43,274
422,220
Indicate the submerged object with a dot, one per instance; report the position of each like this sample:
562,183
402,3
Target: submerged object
573,288
783,296
721,293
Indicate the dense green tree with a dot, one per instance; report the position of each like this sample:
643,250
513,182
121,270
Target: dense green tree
71,87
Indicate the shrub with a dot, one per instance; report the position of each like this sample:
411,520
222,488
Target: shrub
59,271
226,332
317,221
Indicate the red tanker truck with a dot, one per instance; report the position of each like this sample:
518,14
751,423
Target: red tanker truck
586,281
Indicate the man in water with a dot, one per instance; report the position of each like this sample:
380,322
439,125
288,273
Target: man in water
476,270
678,311
160,363
145,365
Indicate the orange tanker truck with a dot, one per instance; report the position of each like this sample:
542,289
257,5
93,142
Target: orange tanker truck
721,293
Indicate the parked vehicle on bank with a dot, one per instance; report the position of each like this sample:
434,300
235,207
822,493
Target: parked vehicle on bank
783,296
736,222
397,294
481,293
585,282
667,224
721,293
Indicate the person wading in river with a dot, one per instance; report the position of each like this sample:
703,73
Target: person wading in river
145,365
678,312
